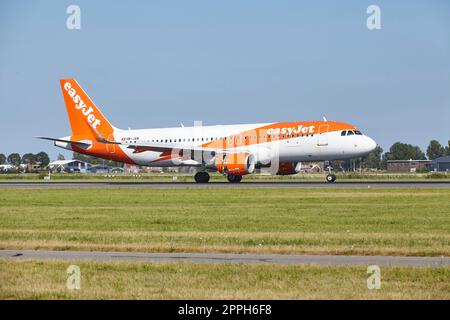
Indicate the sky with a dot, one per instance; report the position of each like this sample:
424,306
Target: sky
159,63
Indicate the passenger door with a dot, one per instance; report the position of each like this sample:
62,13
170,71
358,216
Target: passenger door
111,148
322,136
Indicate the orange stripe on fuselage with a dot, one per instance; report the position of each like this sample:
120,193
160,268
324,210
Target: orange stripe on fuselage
269,133
275,132
164,156
99,150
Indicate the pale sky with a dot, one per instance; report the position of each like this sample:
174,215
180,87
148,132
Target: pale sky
158,63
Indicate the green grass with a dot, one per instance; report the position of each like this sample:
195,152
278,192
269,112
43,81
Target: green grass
215,177
47,280
374,221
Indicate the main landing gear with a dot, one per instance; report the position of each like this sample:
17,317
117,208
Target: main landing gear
201,177
234,178
331,177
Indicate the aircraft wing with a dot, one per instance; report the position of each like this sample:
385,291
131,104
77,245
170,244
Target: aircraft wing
159,147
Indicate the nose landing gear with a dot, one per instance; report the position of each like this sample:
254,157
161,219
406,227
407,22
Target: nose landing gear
330,176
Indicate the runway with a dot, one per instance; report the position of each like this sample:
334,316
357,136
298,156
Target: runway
250,184
218,258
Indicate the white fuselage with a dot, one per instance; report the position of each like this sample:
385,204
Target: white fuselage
307,147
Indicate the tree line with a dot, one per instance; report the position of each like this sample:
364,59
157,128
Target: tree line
41,160
398,151
16,159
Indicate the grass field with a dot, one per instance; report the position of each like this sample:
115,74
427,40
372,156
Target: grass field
216,177
47,280
314,221
372,221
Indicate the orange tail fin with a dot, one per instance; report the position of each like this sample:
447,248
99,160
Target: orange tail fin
82,111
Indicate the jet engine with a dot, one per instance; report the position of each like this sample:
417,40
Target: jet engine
235,163
286,168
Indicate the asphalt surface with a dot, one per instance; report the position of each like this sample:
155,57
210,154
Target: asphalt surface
227,258
250,184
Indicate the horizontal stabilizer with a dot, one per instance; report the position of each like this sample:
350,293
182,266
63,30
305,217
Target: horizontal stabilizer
83,145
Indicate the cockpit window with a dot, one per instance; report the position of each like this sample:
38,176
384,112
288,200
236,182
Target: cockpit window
350,132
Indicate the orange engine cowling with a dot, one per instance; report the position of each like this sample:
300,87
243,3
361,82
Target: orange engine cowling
286,168
235,163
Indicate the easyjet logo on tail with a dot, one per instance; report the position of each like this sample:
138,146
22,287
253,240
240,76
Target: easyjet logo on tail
87,111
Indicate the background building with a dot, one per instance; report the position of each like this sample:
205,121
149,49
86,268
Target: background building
406,165
440,164
69,166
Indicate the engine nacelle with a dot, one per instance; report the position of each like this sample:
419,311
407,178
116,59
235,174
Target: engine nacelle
235,163
286,168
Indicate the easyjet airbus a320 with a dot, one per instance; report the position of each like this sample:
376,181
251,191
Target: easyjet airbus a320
233,150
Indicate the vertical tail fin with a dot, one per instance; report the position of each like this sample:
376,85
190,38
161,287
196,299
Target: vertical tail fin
82,111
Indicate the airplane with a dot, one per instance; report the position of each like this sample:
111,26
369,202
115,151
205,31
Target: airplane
6,167
232,150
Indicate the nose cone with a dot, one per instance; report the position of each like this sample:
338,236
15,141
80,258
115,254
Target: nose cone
369,144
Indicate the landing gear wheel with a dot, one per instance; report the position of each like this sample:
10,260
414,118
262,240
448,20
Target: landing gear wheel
331,178
234,178
201,177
